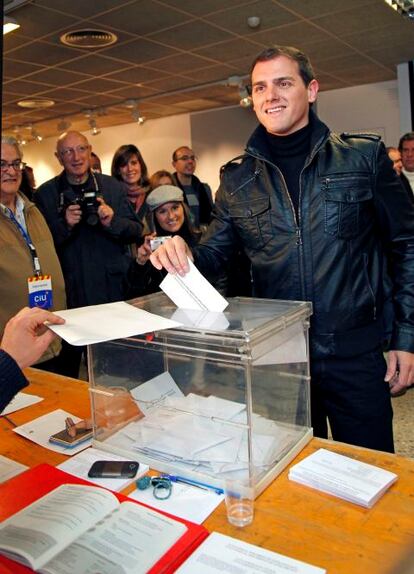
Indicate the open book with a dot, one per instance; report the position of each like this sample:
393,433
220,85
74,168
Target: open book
80,528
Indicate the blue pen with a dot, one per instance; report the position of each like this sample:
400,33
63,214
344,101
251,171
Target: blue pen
192,482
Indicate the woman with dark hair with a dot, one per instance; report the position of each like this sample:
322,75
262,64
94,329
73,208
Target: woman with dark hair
167,216
129,167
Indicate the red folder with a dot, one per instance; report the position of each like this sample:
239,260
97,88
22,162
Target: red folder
19,492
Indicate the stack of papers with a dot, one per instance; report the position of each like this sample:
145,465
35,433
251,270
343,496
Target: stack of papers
342,476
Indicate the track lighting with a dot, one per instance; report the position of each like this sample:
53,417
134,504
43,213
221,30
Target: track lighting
245,99
403,7
94,127
9,25
35,135
63,125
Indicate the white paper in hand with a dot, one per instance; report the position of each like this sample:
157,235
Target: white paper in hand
193,291
97,323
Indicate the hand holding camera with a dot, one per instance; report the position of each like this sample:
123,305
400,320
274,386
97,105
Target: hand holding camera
144,251
73,214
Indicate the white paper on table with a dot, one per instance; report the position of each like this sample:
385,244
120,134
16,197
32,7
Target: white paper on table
98,323
80,464
21,401
39,430
153,393
193,291
10,468
221,554
186,501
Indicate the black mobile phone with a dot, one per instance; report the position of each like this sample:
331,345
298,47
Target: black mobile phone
63,438
113,469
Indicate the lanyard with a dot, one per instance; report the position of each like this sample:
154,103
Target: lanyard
29,243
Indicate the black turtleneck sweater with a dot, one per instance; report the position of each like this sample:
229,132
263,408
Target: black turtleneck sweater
289,153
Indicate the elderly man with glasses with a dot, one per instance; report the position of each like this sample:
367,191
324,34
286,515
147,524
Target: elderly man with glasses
197,195
29,267
92,224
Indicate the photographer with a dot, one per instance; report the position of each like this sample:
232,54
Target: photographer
92,224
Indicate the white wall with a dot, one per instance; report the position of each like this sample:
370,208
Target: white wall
156,140
219,135
367,108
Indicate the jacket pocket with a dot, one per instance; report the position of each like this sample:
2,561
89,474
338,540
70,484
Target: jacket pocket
346,203
253,222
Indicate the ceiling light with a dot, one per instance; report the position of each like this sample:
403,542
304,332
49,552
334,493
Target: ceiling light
88,38
36,103
245,99
133,106
94,127
9,24
403,7
35,135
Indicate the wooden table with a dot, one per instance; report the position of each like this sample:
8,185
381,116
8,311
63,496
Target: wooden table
291,519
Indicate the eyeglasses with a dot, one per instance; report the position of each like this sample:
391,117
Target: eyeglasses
186,157
67,151
17,165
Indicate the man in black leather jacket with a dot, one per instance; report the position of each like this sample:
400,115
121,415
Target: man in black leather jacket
323,218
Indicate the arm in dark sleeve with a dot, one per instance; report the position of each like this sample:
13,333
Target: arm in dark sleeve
125,225
220,241
395,213
47,200
12,379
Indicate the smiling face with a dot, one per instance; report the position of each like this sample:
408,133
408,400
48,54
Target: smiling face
10,177
74,154
280,98
170,216
131,171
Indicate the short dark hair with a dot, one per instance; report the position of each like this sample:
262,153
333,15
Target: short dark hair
174,155
305,67
409,136
122,156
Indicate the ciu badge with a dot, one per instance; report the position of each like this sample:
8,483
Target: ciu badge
40,291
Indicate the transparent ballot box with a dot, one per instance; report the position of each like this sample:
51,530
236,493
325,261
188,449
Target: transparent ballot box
223,396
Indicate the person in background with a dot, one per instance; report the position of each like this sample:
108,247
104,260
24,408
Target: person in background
28,184
92,224
395,157
167,216
128,166
29,266
197,195
161,177
320,215
25,340
406,148
96,166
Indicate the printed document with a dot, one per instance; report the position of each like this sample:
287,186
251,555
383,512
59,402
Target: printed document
10,468
223,554
193,291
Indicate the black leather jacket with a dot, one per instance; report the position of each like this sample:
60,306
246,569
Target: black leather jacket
354,235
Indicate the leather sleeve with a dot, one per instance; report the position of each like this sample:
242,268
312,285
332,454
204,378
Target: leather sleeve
395,214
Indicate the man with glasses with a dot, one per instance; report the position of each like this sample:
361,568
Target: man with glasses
197,195
29,267
92,225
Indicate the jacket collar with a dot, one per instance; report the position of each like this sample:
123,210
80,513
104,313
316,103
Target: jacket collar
257,144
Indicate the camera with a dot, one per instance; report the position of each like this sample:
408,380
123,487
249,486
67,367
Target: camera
155,243
89,206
